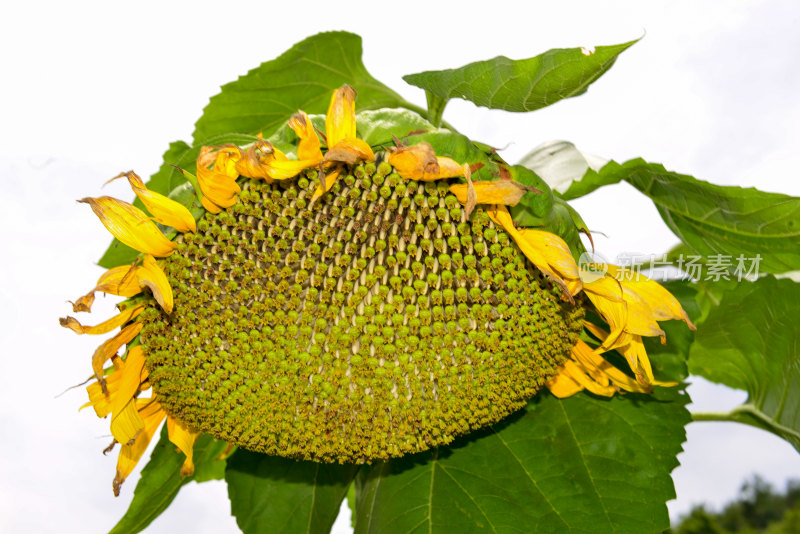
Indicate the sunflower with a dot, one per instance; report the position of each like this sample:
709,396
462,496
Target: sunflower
347,306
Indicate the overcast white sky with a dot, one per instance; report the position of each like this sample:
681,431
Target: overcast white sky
95,88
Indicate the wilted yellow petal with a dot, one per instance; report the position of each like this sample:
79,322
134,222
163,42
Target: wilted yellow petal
340,122
152,414
325,185
506,192
184,439
607,296
130,225
218,184
558,256
419,162
164,209
262,160
662,303
589,359
110,347
502,217
132,373
104,327
121,281
127,423
632,348
349,151
308,148
151,275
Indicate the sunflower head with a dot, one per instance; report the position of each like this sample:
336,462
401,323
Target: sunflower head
352,305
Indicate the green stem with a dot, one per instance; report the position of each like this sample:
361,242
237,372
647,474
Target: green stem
435,108
749,415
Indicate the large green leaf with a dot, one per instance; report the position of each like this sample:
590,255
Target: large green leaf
751,341
722,220
519,85
579,465
161,480
303,77
278,495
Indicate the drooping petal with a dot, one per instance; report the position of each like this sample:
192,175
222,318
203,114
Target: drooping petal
419,162
152,415
121,281
151,275
110,347
607,296
350,151
263,160
130,225
184,439
502,217
588,370
126,423
308,148
506,192
122,384
663,305
633,349
589,359
164,209
104,327
558,256
218,184
340,122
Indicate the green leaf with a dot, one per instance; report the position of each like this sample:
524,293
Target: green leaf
161,480
751,341
578,465
274,494
377,127
722,220
520,85
303,77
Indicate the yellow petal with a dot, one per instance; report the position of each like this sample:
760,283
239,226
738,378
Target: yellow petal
130,225
506,192
131,374
104,327
262,160
590,360
127,423
218,184
308,148
632,348
121,281
164,209
419,162
563,385
502,217
662,303
340,122
607,296
152,415
558,256
151,275
325,186
110,347
184,439
349,151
